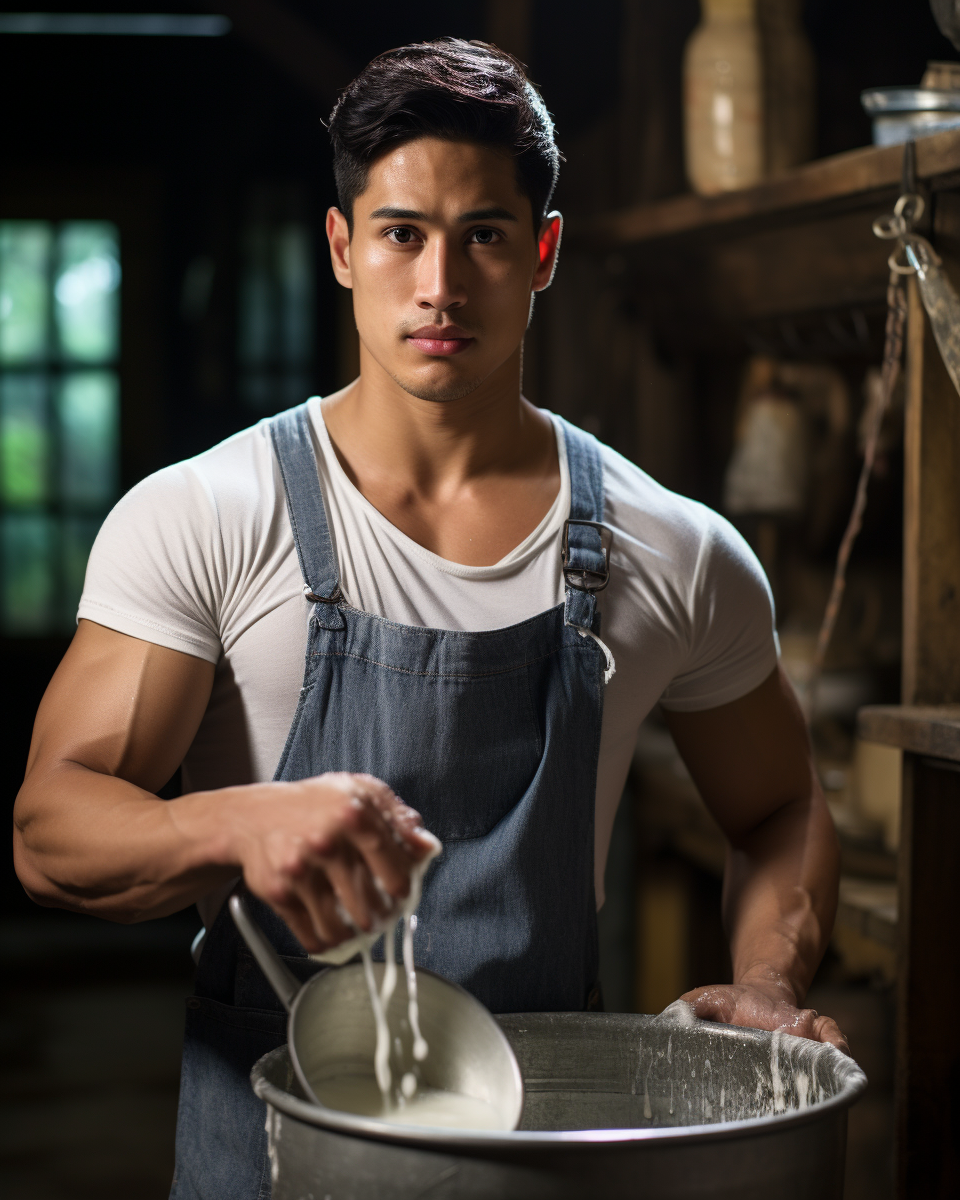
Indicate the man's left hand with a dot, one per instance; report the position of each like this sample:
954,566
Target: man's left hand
764,1005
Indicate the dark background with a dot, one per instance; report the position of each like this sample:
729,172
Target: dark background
175,139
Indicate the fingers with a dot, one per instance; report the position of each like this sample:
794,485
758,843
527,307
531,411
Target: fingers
374,839
332,855
827,1030
712,1003
355,889
403,819
739,1005
312,915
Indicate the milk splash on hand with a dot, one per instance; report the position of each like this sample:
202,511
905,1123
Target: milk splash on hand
380,999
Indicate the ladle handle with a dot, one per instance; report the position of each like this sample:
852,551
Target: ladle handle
281,978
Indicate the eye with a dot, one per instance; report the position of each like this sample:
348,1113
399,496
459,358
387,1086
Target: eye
400,235
486,237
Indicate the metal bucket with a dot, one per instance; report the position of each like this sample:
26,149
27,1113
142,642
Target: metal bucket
616,1106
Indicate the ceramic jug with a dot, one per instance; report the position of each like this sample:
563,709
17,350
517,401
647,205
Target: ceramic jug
723,98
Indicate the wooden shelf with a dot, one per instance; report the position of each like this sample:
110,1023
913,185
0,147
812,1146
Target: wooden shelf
776,268
934,732
863,176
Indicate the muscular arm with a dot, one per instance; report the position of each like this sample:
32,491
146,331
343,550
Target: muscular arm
752,764
90,834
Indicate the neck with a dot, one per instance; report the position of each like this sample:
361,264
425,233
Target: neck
435,445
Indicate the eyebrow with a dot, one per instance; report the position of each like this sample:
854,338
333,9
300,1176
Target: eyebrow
494,213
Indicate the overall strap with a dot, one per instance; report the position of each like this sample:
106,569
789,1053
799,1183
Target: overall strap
293,445
584,555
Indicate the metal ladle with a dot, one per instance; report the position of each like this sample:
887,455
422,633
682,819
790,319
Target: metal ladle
331,1033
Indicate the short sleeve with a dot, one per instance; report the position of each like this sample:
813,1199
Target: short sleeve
733,642
154,569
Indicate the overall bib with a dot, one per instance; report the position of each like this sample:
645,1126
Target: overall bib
494,737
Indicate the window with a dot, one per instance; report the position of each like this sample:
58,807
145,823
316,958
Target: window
276,327
59,413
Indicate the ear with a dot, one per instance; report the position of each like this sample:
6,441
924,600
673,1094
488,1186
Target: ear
338,235
548,244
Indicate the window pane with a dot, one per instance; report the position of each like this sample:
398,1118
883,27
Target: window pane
89,409
78,536
256,298
24,440
24,290
294,253
29,592
87,291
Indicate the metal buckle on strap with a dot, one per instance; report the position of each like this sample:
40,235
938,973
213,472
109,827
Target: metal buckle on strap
337,594
583,580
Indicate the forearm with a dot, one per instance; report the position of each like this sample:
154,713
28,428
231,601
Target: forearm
114,849
780,896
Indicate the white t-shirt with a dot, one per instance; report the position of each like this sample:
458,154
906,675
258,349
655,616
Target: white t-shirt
200,558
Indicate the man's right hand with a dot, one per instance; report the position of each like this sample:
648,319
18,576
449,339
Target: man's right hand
91,835
332,855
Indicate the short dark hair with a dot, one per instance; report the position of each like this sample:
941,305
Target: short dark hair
449,88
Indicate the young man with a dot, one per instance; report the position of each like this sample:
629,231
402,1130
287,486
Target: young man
442,551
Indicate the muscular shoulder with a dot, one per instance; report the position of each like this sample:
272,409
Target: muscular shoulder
660,531
688,582
171,556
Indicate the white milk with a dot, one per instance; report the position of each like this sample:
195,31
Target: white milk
380,1001
360,1094
375,1096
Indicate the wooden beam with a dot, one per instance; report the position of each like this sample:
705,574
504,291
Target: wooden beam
932,731
303,54
855,175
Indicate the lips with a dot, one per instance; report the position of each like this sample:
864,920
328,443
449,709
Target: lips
440,340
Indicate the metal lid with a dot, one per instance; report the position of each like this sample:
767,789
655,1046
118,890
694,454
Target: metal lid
910,99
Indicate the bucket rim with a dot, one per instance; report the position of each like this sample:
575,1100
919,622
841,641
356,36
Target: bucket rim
853,1082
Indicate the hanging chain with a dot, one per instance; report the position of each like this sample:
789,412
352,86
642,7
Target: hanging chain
898,224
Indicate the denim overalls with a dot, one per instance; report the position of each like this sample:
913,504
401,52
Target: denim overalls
494,738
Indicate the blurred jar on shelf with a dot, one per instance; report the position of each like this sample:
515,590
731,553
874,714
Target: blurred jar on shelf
723,98
748,93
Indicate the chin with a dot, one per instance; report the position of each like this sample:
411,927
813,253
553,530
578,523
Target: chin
438,391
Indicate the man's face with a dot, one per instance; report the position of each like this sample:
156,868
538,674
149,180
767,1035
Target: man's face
443,263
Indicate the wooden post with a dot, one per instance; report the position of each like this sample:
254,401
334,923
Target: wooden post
928,975
928,981
931,511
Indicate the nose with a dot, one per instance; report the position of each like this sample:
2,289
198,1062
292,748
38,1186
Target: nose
440,284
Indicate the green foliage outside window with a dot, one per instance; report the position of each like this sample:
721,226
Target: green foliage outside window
59,413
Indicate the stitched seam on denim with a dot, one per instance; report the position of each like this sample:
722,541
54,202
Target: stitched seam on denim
288,494
325,536
275,437
452,634
440,674
534,717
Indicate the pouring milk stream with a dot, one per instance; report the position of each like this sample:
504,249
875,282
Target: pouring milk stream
410,1104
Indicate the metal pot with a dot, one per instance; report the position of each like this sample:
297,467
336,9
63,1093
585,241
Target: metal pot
902,113
331,1032
616,1106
